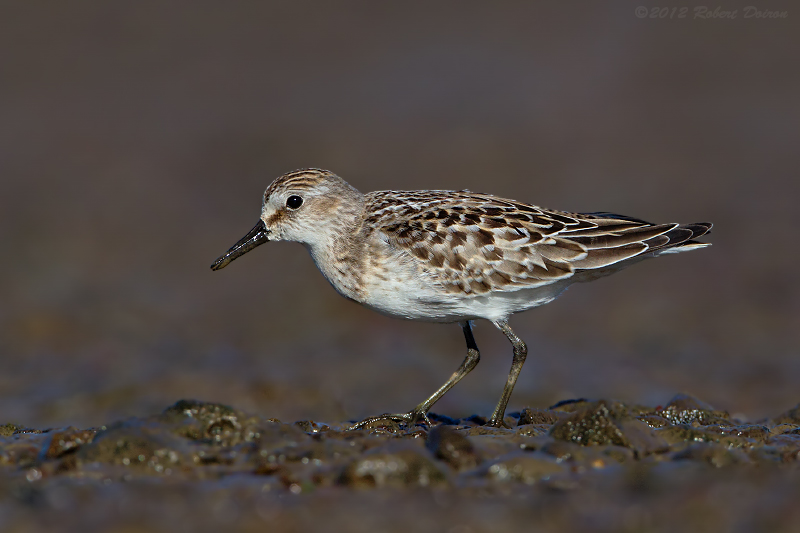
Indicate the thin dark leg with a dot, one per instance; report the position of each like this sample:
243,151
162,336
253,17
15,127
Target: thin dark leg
421,411
520,353
470,362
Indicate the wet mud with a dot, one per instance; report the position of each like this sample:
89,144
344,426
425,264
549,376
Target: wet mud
596,465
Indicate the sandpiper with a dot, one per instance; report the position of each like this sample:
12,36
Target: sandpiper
451,256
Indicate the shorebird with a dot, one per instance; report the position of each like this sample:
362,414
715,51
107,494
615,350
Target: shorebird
451,256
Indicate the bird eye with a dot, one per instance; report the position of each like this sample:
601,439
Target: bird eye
293,202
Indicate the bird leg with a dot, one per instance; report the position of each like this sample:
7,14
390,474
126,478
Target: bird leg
520,353
420,412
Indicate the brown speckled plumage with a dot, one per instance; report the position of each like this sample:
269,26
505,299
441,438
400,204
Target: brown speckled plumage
451,256
478,243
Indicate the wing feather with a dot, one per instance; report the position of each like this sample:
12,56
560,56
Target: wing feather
477,243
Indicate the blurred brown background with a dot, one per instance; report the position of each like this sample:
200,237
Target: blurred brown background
135,144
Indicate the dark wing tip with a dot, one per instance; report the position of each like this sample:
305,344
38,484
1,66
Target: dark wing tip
699,228
683,235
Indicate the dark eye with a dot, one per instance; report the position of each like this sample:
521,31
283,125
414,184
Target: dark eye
293,202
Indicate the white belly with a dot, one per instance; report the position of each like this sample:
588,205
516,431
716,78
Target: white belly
402,291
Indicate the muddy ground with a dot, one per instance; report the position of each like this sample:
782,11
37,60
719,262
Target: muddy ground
136,140
580,465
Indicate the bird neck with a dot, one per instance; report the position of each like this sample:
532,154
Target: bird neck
341,253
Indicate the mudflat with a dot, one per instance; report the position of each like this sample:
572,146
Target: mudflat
599,465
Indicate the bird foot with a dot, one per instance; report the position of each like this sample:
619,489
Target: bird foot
498,423
410,419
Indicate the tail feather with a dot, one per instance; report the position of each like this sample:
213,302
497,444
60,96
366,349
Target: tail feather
680,237
605,249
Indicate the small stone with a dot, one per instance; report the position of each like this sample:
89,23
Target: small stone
792,416
66,441
685,409
686,433
524,467
598,424
713,454
452,447
139,445
402,466
754,432
587,456
6,430
782,428
655,421
211,423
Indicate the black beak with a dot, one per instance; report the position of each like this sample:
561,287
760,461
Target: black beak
255,237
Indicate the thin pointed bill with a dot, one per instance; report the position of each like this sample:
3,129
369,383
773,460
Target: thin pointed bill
255,237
